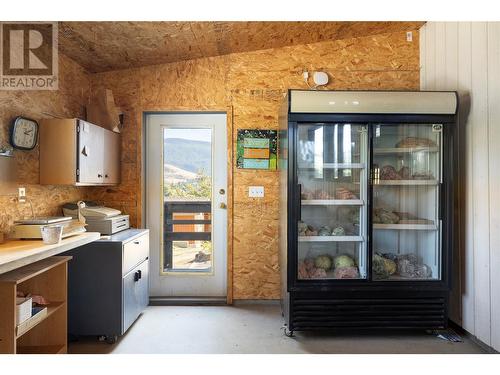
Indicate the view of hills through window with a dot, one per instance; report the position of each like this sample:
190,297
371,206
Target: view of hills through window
187,164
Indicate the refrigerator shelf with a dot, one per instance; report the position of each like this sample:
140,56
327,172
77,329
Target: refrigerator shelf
331,239
333,202
403,150
336,166
406,226
406,182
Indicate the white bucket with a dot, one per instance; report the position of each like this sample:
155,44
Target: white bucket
51,234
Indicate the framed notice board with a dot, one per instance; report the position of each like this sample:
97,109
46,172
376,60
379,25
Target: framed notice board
256,149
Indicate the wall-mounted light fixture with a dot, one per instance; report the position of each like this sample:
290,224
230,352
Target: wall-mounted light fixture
320,79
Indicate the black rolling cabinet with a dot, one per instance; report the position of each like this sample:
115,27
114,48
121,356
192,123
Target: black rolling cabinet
108,284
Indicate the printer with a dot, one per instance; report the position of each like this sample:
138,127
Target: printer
31,228
100,219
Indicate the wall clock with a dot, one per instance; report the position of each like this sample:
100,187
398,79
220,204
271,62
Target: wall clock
24,133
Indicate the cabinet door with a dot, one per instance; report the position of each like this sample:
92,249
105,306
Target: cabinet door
90,153
111,157
58,151
135,293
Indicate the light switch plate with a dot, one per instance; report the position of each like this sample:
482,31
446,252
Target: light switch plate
256,191
22,194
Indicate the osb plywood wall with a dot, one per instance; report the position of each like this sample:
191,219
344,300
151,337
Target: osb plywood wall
253,84
68,101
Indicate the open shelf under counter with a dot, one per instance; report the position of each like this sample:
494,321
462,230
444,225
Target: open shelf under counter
45,332
405,226
24,327
331,239
332,202
406,182
403,150
334,166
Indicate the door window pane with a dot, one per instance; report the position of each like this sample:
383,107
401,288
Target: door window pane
332,178
187,190
405,215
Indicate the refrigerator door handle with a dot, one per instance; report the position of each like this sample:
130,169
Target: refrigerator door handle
438,128
300,202
439,255
441,158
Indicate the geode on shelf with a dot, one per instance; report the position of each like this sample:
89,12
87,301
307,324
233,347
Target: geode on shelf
338,231
388,172
346,273
411,142
318,273
384,216
404,173
409,266
302,228
378,267
383,267
324,262
307,270
311,232
325,231
343,261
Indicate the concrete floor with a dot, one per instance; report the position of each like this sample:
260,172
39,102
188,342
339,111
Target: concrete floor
254,328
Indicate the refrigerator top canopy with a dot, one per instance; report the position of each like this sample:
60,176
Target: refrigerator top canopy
386,102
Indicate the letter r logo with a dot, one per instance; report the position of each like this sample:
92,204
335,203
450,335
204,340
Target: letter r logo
27,49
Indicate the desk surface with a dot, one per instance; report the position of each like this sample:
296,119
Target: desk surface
18,253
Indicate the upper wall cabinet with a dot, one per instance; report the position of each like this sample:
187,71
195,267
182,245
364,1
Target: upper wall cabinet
76,152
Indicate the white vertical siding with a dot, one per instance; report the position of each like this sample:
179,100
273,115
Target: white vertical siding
478,119
494,176
466,57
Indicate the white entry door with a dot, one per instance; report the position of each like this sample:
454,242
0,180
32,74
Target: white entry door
186,185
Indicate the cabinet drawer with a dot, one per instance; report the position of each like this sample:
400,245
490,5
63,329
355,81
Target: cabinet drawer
135,293
135,252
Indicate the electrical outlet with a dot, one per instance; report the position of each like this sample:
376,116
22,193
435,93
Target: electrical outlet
409,36
22,194
256,191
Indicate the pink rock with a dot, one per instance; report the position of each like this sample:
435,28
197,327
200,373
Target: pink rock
346,273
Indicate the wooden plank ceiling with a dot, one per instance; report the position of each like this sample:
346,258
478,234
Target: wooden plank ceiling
104,46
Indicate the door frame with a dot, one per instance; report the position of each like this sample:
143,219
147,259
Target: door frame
141,162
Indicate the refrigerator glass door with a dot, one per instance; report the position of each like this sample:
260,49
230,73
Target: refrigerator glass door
332,182
405,213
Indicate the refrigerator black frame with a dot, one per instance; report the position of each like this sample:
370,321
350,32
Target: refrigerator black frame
446,192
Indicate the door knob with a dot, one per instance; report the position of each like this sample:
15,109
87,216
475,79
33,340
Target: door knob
223,205
222,192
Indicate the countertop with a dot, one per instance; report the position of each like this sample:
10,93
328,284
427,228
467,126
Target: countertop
18,253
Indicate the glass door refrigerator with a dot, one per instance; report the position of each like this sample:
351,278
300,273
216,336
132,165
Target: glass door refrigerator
366,228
